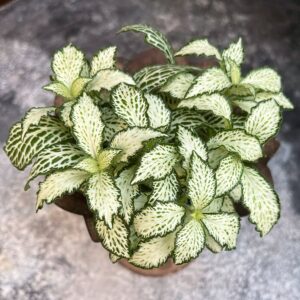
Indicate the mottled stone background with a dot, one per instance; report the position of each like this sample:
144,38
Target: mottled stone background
49,255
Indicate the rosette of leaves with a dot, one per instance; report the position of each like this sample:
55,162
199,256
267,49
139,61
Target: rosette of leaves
162,156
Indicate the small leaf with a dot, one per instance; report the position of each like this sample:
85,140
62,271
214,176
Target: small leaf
211,81
215,156
65,113
261,200
158,220
88,164
238,122
264,120
238,141
130,105
78,86
59,89
228,205
236,193
214,206
211,243
234,53
154,38
245,105
104,59
140,202
280,98
157,163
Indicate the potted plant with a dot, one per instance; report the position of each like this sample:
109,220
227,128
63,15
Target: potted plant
162,162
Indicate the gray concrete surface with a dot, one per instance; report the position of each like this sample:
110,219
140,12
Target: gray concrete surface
49,255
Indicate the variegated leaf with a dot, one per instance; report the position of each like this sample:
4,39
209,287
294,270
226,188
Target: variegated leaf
234,71
140,202
202,183
78,86
236,193
242,90
88,126
65,113
59,89
228,205
211,243
58,184
130,105
104,59
215,156
103,197
154,38
213,207
264,120
190,241
238,122
264,79
234,53
116,238
157,163
159,115
154,252
238,141
114,258
223,227
158,220
280,98
245,105
261,200
211,81
199,47
216,103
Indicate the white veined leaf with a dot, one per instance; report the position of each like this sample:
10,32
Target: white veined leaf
190,241
280,98
178,85
199,47
202,183
88,126
228,205
223,227
67,64
213,207
128,193
58,184
59,89
215,156
85,71
234,53
264,79
103,197
238,122
114,258
264,120
238,141
131,140
165,190
104,59
261,200
65,113
158,220
228,174
50,131
211,81
217,103
140,201
33,117
189,143
56,157
233,71
88,164
211,243
214,122
130,105
236,193
159,115
157,163
154,38
154,252
245,105
78,85
116,238
107,79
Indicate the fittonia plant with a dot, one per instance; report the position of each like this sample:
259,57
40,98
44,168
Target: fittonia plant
161,156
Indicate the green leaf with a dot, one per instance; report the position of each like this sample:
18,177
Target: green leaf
157,163
264,79
223,227
238,141
154,38
165,190
261,200
264,120
116,238
241,90
199,47
128,193
154,252
189,143
33,117
58,184
190,241
238,122
159,115
245,105
104,59
280,98
78,86
234,53
88,126
131,140
158,220
228,174
59,89
236,193
103,197
217,103
215,156
178,85
228,205
140,202
67,64
89,165
130,105
234,71
202,183
108,79
50,131
213,207
211,81
53,158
